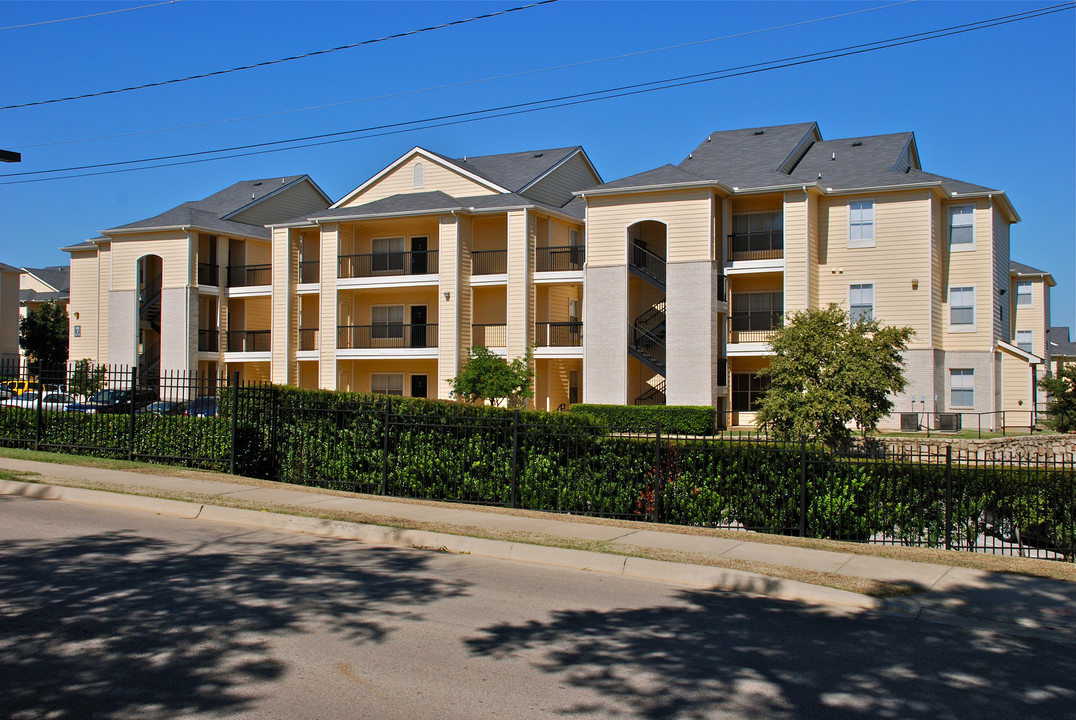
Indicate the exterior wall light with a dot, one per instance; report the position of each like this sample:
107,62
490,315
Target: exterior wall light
448,295
915,284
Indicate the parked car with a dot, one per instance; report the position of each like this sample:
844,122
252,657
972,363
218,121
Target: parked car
20,386
205,406
7,393
115,401
165,407
49,401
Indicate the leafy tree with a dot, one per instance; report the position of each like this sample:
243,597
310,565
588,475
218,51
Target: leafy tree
86,378
1061,389
828,371
487,376
43,336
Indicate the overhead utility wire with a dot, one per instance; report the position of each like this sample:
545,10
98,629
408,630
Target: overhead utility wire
467,83
283,60
85,17
563,101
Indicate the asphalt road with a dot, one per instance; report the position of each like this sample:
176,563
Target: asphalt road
114,614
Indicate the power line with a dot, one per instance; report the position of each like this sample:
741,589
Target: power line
282,60
545,104
467,83
85,17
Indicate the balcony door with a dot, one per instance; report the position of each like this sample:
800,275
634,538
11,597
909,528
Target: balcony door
418,326
419,263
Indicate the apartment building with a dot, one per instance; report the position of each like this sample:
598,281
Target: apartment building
662,287
9,317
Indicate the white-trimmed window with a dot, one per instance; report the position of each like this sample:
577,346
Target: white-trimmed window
1023,293
962,228
962,307
418,179
861,301
388,255
387,321
1025,340
387,383
961,388
861,223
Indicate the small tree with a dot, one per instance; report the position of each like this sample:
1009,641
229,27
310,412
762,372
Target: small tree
1061,390
86,378
43,336
828,371
487,376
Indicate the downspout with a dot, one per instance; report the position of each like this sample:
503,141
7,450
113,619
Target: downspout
806,248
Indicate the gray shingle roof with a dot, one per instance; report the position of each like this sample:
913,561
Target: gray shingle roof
8,268
664,175
749,157
431,202
1021,269
57,276
26,296
1059,343
84,245
514,171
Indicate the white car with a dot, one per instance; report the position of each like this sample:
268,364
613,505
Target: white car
50,401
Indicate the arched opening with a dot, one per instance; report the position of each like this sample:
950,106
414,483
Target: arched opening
647,248
150,276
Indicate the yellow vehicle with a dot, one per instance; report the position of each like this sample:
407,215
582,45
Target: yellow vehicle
20,386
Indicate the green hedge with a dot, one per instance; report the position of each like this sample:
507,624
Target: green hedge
675,419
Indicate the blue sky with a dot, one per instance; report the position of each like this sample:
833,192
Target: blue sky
995,107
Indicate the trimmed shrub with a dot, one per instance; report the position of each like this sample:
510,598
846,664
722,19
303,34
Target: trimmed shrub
673,419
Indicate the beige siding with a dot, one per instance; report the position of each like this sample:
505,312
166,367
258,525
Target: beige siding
520,273
939,270
686,213
1016,384
172,247
86,294
490,233
362,234
556,188
795,219
329,303
358,372
284,305
1000,259
973,268
400,180
9,315
489,306
1033,317
296,201
448,309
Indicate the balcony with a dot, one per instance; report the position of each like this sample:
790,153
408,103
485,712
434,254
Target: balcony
491,336
422,262
248,341
208,340
489,262
308,338
208,274
754,327
309,271
762,245
559,259
558,334
249,275
389,335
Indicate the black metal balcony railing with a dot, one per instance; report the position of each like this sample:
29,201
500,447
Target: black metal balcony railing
208,340
489,262
309,271
389,335
208,274
491,336
559,259
422,262
558,334
647,263
766,245
308,338
249,275
248,341
722,372
753,327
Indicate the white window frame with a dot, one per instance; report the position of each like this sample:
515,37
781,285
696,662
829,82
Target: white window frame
967,245
387,383
962,327
1028,344
1025,298
961,380
852,305
859,223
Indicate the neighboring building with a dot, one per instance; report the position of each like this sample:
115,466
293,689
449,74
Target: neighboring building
38,286
662,287
9,318
1062,348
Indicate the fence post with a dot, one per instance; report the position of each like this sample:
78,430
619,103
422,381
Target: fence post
657,471
235,419
515,458
274,408
803,486
37,422
948,497
131,413
385,449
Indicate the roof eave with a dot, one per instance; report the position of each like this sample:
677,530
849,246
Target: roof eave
181,228
655,188
997,195
1030,357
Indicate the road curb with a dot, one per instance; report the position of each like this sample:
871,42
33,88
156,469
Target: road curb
698,576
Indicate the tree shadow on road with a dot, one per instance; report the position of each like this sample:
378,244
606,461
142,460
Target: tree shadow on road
712,654
116,623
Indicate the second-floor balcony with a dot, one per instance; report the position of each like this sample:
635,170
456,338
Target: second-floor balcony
489,262
308,339
558,334
489,335
249,275
249,341
208,274
208,340
423,262
386,335
753,327
559,259
762,245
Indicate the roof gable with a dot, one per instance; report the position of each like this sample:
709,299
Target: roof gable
439,174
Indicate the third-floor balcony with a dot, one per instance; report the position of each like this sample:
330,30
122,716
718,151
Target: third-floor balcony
753,327
558,334
419,262
309,271
249,275
208,340
559,259
208,274
760,245
489,262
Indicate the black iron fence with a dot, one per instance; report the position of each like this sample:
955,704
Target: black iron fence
899,494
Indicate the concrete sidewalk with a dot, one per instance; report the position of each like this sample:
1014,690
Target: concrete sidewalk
1008,603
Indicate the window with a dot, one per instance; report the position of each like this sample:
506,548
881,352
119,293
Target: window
386,383
1024,340
1023,293
387,321
962,227
747,390
962,306
418,177
861,301
861,223
757,233
962,388
761,311
388,254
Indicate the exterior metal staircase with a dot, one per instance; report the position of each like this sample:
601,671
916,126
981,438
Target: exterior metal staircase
654,396
646,338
